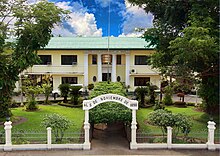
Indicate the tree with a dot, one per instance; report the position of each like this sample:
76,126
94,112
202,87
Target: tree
31,26
167,100
47,88
31,91
58,123
64,90
186,36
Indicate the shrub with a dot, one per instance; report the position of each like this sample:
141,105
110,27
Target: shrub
47,88
167,100
90,86
74,92
64,90
31,105
180,104
141,92
164,118
58,123
190,104
109,112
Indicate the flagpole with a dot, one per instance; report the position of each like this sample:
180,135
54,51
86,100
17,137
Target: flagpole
108,78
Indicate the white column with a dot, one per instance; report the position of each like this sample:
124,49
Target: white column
99,67
113,67
49,138
86,145
8,144
211,133
133,144
127,70
169,137
86,69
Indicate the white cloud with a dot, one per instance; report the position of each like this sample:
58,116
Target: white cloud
81,22
103,3
135,17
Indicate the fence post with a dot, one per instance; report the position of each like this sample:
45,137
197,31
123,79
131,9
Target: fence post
8,144
133,144
87,144
211,133
169,137
49,138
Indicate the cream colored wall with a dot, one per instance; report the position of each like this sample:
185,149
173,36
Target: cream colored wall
56,66
56,62
120,71
92,70
154,79
57,80
142,69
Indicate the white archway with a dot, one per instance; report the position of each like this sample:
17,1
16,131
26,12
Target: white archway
131,104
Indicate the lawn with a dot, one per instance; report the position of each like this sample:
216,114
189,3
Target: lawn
75,115
199,121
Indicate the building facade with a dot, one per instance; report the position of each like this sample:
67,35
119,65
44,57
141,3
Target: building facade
87,60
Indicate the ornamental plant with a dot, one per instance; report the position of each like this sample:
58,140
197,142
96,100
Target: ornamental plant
75,94
47,88
64,90
167,100
164,118
58,123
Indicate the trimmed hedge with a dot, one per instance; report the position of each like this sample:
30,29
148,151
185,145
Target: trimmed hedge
70,105
180,104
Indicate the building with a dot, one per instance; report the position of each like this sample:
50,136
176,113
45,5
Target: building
86,60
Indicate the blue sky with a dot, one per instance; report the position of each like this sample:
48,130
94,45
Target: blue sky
90,18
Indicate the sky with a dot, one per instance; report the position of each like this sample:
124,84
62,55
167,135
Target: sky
90,18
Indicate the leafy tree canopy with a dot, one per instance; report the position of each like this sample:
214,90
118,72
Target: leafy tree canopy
30,26
186,34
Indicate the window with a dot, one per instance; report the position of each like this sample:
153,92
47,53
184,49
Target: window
45,59
141,60
68,59
94,78
94,59
118,59
141,81
118,78
70,80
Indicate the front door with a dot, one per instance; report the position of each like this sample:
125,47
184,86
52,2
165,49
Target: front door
106,76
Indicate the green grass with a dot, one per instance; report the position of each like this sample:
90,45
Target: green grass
199,120
75,115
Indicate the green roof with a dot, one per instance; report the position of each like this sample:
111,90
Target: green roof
98,43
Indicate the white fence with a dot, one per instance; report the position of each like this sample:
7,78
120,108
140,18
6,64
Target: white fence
48,145
8,146
210,145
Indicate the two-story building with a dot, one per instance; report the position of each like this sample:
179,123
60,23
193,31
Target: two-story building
85,60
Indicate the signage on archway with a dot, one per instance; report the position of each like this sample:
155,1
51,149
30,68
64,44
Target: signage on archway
89,104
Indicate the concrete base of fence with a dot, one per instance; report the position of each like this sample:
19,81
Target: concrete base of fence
1,147
7,147
189,146
87,146
151,146
217,146
30,147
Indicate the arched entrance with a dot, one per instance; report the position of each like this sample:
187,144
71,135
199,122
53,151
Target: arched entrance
131,104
